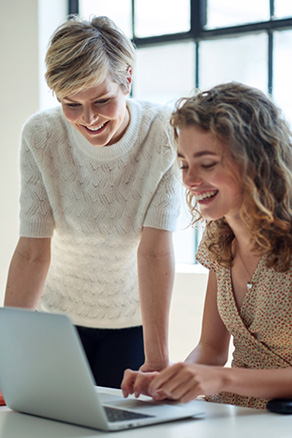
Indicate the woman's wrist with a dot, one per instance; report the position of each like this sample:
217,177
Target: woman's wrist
155,364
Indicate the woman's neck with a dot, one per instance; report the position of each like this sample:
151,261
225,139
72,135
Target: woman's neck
242,237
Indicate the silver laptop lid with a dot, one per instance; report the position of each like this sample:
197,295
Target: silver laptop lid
44,372
35,376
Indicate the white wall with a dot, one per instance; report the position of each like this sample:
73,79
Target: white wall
186,311
20,58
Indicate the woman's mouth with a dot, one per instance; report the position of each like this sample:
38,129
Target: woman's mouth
92,130
206,196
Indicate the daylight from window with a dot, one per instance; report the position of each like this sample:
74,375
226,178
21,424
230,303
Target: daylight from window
170,65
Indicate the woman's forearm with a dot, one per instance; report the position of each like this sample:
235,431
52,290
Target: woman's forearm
265,383
27,273
156,276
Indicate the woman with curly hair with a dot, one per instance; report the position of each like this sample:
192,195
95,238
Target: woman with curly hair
235,152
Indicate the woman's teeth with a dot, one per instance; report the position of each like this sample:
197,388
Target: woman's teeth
97,128
206,195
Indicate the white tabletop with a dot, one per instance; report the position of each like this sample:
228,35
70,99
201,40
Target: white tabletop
219,421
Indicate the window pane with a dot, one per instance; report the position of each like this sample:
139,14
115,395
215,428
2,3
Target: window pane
241,59
225,13
283,72
186,238
164,73
161,17
118,10
283,8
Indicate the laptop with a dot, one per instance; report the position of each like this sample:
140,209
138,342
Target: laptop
44,372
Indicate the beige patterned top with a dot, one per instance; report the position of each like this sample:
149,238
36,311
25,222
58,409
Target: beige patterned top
261,328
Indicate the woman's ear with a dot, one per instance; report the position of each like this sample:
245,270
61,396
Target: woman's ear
129,79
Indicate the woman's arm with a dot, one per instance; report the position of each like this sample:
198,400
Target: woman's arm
185,382
27,273
212,350
203,373
265,383
156,277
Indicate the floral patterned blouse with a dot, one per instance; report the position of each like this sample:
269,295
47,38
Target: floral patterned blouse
261,328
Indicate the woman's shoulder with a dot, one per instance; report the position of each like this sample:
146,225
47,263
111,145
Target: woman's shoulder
152,123
42,119
204,257
149,111
43,125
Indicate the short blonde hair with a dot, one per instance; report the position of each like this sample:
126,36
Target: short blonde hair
82,54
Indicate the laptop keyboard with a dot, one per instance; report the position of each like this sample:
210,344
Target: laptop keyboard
114,414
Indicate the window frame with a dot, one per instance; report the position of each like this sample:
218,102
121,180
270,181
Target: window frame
198,33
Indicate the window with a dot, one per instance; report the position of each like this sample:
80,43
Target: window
188,44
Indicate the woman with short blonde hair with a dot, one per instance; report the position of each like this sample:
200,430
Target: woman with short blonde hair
99,202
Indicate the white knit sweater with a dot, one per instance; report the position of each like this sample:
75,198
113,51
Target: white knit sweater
94,202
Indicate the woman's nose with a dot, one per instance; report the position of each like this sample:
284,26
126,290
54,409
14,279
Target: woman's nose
89,116
192,177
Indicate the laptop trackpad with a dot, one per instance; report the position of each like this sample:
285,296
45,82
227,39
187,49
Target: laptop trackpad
147,406
106,397
130,403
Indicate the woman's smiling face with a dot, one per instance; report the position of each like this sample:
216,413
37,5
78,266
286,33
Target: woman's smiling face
98,113
209,173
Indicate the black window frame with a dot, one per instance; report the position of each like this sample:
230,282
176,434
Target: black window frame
198,33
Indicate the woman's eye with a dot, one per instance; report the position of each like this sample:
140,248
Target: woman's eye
101,102
72,105
208,165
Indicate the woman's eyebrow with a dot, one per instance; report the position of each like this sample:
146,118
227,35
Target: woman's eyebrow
102,96
198,154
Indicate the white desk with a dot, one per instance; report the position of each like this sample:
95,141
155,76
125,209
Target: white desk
220,421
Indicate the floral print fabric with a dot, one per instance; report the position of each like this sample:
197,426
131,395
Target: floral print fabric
261,328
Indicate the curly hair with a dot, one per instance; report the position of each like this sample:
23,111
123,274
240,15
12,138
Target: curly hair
83,53
251,126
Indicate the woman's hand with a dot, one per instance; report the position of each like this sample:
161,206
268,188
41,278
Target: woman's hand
137,382
182,381
185,382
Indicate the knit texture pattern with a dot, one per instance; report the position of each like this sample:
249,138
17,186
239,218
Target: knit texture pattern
94,202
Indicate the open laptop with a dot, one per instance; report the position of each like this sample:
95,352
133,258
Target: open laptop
44,372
